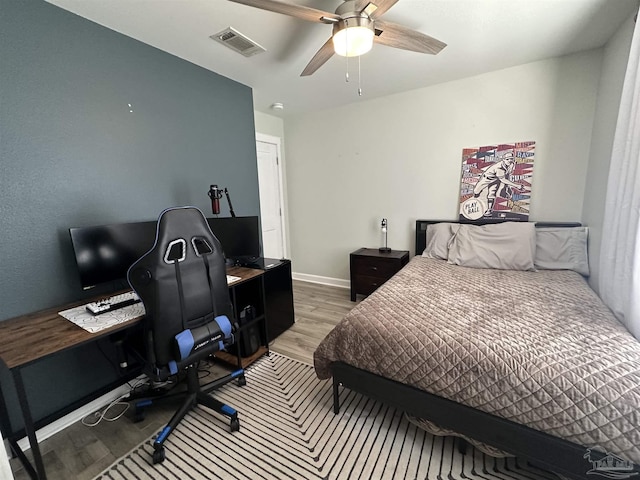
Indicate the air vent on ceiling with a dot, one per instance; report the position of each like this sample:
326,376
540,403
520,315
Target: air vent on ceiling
238,42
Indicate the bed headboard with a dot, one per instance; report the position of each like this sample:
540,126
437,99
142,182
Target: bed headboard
421,229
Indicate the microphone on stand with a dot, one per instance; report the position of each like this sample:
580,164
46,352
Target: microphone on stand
226,192
215,194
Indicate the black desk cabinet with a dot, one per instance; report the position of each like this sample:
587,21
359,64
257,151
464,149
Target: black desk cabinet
272,300
370,268
278,288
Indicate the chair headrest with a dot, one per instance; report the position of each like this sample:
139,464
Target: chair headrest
183,236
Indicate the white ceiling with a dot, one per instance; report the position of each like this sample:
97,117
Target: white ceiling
482,36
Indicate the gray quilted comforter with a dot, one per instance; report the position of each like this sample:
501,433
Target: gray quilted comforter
537,348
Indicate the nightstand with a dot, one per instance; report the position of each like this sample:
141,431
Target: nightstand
370,268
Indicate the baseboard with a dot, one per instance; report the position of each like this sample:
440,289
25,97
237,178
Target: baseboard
334,282
71,418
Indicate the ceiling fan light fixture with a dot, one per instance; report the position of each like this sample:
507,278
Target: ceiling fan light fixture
353,37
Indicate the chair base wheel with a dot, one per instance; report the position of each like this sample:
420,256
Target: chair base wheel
158,455
234,425
139,415
242,381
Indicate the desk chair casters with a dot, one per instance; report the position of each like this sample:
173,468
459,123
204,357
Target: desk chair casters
195,395
182,283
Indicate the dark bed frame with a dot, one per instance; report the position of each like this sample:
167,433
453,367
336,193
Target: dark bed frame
538,448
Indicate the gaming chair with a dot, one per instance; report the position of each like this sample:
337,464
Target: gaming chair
183,285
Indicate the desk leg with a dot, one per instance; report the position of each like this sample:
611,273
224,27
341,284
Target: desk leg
29,427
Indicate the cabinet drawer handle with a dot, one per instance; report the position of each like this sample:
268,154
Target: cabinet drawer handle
374,268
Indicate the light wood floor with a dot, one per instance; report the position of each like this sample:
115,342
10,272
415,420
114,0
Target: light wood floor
81,452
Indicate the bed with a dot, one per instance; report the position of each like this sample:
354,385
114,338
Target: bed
527,362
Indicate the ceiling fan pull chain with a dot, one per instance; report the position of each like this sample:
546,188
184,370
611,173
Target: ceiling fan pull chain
359,78
346,34
346,75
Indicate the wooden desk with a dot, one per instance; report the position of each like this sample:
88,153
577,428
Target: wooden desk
244,273
34,337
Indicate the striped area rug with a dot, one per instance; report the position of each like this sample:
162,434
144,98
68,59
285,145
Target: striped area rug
288,431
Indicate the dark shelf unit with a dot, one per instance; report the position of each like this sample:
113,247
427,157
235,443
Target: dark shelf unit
278,287
249,291
270,292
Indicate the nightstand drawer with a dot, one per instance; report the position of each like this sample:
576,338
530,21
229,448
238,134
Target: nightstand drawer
370,268
374,267
367,285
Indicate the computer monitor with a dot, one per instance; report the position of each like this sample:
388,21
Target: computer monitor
239,237
104,253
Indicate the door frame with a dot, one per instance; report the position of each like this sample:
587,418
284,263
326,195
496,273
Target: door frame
262,137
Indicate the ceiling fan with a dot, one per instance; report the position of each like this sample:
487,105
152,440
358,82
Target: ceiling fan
356,26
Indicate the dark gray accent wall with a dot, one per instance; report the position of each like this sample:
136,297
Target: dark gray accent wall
73,154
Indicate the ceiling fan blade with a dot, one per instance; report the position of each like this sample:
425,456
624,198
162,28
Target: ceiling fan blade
398,36
319,59
304,13
382,7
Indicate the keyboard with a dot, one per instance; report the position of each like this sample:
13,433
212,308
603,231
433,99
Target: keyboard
112,303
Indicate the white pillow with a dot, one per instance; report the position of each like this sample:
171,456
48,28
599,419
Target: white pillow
503,246
439,237
560,248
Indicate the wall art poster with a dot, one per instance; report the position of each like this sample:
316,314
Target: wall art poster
496,182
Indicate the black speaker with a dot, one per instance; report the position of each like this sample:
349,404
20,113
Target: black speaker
249,339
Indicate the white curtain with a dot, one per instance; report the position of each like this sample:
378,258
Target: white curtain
620,255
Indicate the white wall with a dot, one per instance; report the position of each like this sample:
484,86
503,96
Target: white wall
268,124
614,63
400,156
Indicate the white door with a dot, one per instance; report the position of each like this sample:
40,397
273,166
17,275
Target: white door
271,198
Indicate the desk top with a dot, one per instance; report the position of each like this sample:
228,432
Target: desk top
244,273
33,336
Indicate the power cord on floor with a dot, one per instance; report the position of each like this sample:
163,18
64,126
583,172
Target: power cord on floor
204,370
101,415
98,416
